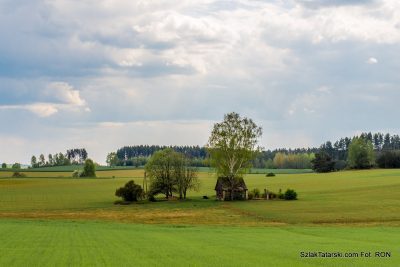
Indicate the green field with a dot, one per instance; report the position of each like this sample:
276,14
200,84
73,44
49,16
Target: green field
45,243
51,219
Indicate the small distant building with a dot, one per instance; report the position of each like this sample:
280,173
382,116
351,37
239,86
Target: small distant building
223,189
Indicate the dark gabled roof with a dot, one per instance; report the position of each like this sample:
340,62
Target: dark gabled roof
224,184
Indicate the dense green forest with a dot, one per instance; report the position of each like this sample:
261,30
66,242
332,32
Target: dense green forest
386,148
299,158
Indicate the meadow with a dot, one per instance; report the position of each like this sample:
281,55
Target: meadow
73,221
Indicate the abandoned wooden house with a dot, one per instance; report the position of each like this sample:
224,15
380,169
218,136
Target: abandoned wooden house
223,189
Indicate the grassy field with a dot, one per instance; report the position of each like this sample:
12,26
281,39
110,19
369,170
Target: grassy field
61,243
345,211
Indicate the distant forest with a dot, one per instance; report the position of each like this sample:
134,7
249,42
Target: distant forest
299,158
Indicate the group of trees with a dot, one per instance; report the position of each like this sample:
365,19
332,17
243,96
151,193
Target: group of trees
292,161
170,172
199,157
360,152
77,155
232,146
339,149
15,166
139,155
73,156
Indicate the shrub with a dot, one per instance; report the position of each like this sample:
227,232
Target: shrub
76,174
130,192
89,169
256,192
18,175
280,194
290,194
270,174
250,195
152,198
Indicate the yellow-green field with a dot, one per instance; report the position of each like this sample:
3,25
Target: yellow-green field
343,211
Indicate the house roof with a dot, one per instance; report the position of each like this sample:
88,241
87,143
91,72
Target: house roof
224,184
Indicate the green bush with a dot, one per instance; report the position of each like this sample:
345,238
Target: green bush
18,175
130,192
89,169
270,174
290,194
280,194
152,198
256,192
76,174
250,195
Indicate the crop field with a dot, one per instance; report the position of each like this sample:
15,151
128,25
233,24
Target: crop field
115,244
73,221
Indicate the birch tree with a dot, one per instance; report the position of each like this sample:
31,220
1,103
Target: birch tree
232,145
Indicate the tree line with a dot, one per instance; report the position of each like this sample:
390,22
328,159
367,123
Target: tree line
281,158
380,142
71,157
360,152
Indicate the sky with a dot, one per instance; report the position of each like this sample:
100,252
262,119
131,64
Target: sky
102,74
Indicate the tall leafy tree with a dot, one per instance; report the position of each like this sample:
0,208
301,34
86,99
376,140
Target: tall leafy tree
33,162
51,160
185,176
160,170
361,154
42,160
16,166
112,159
232,146
4,166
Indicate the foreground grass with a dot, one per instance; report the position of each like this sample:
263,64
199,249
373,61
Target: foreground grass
66,243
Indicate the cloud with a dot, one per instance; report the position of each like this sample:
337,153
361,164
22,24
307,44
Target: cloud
59,96
372,60
293,65
66,93
40,109
334,3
